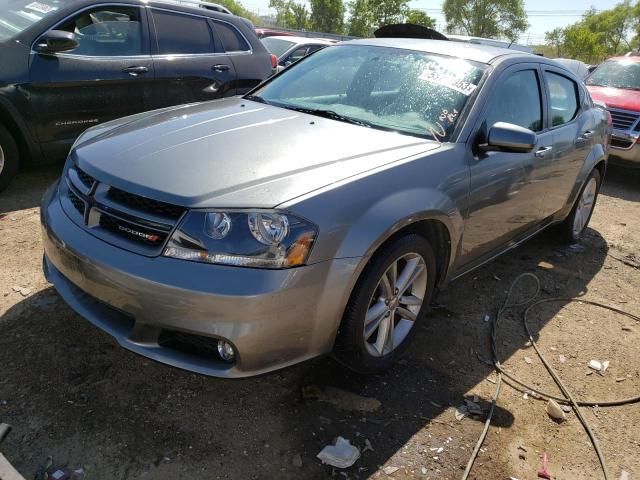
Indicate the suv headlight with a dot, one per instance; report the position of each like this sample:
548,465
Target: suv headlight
260,239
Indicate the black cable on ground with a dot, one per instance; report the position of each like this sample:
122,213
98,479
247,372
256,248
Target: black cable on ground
568,399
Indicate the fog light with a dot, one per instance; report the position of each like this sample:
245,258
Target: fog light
225,350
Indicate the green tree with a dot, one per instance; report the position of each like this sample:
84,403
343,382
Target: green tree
385,12
486,18
290,14
418,17
555,40
582,44
238,9
360,20
300,16
327,16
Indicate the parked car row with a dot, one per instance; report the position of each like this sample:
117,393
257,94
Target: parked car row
69,65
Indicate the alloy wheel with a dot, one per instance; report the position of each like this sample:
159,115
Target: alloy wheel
585,206
395,304
1,159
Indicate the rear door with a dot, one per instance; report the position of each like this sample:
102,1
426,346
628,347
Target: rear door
108,76
189,60
573,127
506,191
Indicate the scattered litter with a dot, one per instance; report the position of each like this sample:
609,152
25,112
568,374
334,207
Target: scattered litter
487,318
461,412
544,471
620,379
341,454
563,359
566,408
513,478
545,265
555,412
496,277
341,399
595,365
605,365
440,450
297,460
390,470
24,291
423,470
437,405
624,475
367,446
525,395
528,360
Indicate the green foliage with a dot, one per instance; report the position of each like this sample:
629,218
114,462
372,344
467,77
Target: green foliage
360,20
238,9
418,17
598,35
290,14
385,12
327,16
486,18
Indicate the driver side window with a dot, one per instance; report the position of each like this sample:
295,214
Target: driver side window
109,31
517,101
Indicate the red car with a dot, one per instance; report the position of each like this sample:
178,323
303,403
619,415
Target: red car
616,83
266,32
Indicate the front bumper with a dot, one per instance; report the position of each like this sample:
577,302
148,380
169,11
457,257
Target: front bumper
273,318
624,150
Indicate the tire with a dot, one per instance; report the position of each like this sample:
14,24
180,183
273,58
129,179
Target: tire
9,158
374,355
572,229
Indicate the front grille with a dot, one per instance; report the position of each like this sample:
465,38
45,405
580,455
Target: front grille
77,203
132,231
129,221
621,143
86,179
623,120
147,205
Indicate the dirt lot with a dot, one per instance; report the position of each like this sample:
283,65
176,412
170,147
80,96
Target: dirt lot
71,393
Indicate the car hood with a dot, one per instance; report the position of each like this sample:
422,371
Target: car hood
616,97
234,153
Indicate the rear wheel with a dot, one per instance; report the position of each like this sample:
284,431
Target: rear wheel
8,158
573,227
389,300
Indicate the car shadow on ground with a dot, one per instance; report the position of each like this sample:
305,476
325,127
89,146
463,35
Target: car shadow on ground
622,183
72,393
27,188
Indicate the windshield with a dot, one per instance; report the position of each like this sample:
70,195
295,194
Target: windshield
410,92
617,74
277,46
18,15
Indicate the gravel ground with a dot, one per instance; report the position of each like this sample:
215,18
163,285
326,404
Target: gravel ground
71,393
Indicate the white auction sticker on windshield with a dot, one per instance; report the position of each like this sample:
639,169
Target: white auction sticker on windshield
442,78
41,7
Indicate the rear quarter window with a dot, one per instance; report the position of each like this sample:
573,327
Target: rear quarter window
232,40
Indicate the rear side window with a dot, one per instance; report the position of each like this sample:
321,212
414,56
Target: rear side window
182,34
517,101
564,99
232,39
107,32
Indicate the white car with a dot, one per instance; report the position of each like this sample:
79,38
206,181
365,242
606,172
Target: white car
290,49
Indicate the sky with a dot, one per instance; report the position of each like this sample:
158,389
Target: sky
544,15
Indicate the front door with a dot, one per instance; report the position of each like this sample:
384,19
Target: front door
107,77
190,63
505,197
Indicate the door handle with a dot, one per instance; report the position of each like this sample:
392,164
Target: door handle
135,71
221,67
542,151
586,135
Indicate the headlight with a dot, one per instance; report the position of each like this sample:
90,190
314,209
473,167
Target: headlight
246,239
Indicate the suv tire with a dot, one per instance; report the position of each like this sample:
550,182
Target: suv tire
9,158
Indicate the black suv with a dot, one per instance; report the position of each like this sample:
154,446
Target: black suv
66,65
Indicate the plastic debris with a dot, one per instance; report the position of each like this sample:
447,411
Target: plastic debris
24,291
461,412
624,475
595,365
563,359
566,408
341,454
605,365
544,471
487,318
555,411
528,360
390,470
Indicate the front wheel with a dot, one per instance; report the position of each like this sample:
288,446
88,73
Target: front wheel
389,300
8,158
573,227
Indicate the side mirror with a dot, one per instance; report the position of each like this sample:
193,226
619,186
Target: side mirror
507,137
57,41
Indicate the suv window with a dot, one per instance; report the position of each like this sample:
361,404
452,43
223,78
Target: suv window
182,34
517,101
107,32
564,99
231,38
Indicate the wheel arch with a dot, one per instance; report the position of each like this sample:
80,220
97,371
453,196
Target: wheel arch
11,120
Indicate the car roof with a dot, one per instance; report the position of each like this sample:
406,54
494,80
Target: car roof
301,40
468,51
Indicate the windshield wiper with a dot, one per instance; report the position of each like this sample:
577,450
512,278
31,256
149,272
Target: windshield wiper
328,114
256,98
